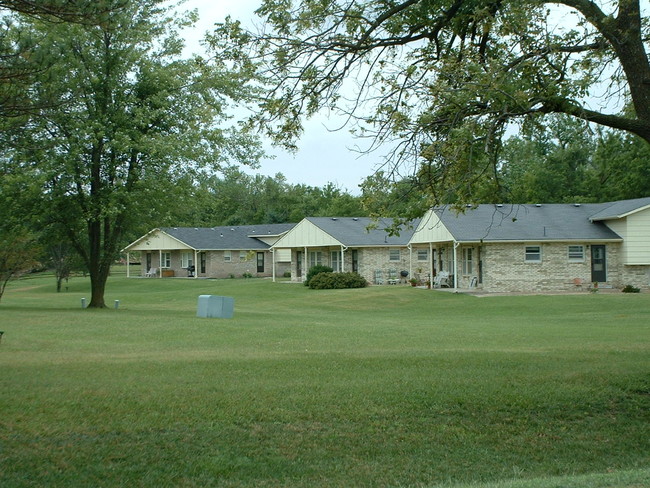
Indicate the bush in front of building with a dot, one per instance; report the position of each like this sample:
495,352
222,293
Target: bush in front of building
314,270
631,289
335,281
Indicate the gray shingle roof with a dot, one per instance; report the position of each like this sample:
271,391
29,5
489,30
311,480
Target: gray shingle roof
236,237
526,223
614,210
362,231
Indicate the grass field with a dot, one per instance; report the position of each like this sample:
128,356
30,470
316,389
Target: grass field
379,387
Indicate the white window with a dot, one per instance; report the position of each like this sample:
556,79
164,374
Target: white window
423,254
187,259
315,258
227,256
335,261
166,260
533,254
468,264
576,254
243,255
394,255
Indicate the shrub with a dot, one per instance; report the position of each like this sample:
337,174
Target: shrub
335,281
314,270
630,289
287,274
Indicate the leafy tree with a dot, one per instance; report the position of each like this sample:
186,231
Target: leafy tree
63,260
78,11
571,163
129,116
440,81
18,254
20,60
620,168
237,198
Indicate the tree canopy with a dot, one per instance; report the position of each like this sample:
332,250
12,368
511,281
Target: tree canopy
440,82
125,116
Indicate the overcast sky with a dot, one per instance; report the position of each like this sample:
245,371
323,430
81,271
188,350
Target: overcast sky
324,155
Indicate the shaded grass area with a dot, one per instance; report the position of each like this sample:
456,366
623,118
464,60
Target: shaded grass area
384,386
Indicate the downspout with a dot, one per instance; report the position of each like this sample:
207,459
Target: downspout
456,244
343,249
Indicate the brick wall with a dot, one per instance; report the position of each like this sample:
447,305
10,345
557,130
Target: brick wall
637,276
217,267
504,268
370,260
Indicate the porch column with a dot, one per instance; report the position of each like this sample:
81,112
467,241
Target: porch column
160,262
272,264
128,261
342,259
432,264
304,269
456,244
196,264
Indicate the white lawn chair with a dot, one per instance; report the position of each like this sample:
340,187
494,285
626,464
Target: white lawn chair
152,273
392,277
441,279
379,277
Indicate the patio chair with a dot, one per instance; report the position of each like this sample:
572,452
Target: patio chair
441,279
379,277
152,273
392,277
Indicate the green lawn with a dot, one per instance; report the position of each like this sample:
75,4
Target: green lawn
379,387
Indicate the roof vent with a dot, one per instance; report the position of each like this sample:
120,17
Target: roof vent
334,218
499,205
538,205
576,204
355,218
232,229
221,234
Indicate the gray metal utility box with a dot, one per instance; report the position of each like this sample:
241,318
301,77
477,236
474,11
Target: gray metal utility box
214,306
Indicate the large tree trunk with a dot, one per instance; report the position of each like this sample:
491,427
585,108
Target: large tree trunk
97,288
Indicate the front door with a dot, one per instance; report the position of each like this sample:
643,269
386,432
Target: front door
202,261
598,264
260,262
299,265
148,261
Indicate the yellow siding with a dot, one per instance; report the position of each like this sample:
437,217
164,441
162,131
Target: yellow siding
268,240
306,234
158,241
637,240
431,229
635,231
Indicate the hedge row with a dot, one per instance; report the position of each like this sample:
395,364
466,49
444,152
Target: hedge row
335,281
